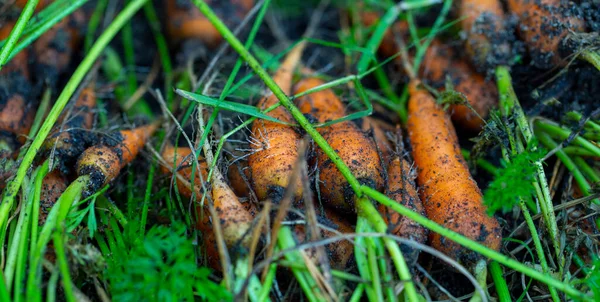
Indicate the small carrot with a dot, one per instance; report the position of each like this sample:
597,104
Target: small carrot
184,20
235,218
274,145
356,150
16,108
71,136
53,185
543,26
401,188
182,158
449,193
341,252
19,63
483,24
239,178
103,162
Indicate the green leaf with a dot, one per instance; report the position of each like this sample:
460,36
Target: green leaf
231,106
514,182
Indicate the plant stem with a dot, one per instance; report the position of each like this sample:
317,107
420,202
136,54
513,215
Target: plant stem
285,101
509,104
559,132
13,186
592,57
15,33
499,281
472,245
63,265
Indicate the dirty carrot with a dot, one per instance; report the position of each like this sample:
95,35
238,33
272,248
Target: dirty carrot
341,252
71,136
401,188
235,218
185,21
449,193
371,125
543,26
441,62
104,161
483,24
53,51
53,185
356,150
274,145
18,64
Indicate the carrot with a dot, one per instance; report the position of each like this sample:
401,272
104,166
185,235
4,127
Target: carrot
235,217
356,150
53,51
384,147
274,145
68,143
439,62
449,193
184,20
18,64
340,252
401,188
183,159
482,95
239,178
103,162
543,26
483,24
16,107
53,185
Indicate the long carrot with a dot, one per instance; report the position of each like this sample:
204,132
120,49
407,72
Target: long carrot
103,162
353,146
441,61
401,188
384,147
183,159
184,20
449,193
484,26
275,146
544,24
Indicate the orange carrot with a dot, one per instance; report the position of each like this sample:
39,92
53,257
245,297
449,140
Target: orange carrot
482,95
401,188
53,185
18,64
544,24
274,145
383,144
483,24
71,136
356,150
54,50
239,178
342,251
103,162
449,193
235,218
185,21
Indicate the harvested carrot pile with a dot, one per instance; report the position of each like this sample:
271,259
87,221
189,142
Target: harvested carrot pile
288,150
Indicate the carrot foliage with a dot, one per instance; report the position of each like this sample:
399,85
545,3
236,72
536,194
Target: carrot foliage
514,181
161,267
